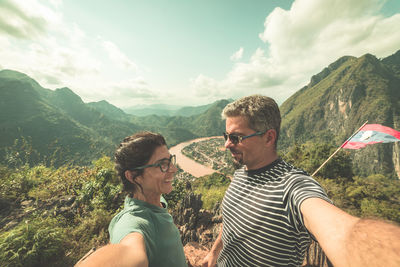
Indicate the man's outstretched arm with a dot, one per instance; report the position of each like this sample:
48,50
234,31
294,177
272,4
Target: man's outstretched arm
351,241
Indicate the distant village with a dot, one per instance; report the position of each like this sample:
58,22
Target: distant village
211,153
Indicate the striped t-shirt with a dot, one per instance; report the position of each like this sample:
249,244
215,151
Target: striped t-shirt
262,222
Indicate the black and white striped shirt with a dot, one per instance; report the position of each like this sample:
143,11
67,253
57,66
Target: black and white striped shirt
262,222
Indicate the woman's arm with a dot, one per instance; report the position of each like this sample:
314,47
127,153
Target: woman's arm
131,251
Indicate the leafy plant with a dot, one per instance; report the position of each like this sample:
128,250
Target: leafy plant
33,243
310,156
212,189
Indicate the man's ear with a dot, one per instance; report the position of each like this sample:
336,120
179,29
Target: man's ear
270,137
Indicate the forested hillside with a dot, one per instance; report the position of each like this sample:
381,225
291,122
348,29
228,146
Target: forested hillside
338,100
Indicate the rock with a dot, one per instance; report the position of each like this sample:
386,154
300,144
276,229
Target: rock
66,201
195,253
26,203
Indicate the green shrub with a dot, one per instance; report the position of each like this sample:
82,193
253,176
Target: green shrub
373,196
33,243
211,196
212,189
88,232
15,183
101,191
177,194
310,156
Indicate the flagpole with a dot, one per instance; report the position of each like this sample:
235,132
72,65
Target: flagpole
337,150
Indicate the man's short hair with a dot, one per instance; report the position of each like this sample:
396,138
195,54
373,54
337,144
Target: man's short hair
262,113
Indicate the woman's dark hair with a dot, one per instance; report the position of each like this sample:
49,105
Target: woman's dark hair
135,151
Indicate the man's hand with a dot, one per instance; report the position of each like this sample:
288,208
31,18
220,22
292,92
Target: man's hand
210,260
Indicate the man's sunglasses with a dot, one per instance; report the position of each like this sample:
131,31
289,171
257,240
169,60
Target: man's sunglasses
164,164
235,139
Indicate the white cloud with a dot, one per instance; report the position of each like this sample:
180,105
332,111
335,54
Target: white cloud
26,19
118,57
128,92
302,41
36,40
237,55
56,3
204,86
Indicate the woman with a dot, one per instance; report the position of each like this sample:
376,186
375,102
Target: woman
143,233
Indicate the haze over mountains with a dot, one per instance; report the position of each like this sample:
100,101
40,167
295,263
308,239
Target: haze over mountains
334,104
166,110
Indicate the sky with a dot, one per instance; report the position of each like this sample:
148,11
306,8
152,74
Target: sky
187,52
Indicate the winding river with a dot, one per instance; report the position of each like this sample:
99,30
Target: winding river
187,164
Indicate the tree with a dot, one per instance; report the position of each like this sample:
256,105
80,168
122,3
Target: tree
310,156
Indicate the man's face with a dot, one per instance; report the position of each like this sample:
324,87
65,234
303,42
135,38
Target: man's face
250,151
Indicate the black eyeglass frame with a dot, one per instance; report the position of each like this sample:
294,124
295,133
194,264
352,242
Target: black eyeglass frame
240,138
172,159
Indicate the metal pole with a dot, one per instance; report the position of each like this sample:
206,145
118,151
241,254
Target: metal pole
337,150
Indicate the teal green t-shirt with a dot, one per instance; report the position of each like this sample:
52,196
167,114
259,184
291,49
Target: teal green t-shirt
162,238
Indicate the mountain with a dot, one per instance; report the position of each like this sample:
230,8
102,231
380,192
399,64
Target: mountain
190,111
59,125
339,99
154,109
109,110
208,123
393,62
56,122
167,110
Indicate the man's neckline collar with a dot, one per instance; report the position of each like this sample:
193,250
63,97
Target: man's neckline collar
265,168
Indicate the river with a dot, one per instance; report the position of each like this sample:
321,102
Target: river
188,165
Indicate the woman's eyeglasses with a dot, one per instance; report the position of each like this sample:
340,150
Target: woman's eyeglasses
164,164
235,139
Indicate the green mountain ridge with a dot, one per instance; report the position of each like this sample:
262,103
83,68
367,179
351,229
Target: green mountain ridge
29,110
340,99
168,110
109,110
59,124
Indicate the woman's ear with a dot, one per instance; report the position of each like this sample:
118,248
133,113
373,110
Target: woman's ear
129,175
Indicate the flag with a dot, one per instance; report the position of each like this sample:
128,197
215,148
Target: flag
371,134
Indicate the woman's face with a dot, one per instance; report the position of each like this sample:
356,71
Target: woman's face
155,182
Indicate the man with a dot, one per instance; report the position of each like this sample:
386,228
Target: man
271,210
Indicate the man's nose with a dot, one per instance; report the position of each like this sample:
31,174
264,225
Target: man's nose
228,143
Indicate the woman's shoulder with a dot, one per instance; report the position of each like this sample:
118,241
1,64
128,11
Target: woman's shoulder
133,214
128,221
